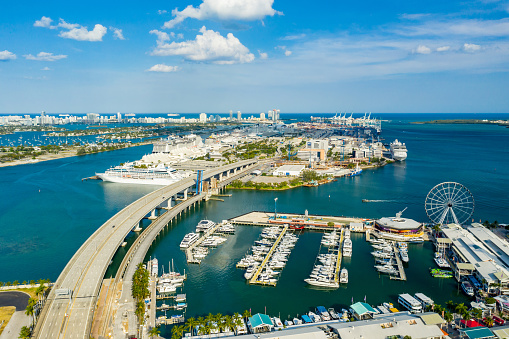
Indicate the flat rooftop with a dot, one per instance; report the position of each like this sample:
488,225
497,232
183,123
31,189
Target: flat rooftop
399,223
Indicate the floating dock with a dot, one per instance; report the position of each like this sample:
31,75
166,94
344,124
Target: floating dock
189,251
401,269
254,278
340,255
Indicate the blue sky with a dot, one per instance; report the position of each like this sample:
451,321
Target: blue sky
254,55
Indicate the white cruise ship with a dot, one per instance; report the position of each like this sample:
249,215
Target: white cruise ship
398,150
129,173
189,239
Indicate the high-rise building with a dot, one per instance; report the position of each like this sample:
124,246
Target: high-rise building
262,116
203,117
119,116
231,115
239,116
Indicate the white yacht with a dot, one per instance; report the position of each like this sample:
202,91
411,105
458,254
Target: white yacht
132,173
343,276
403,255
204,225
398,150
410,303
189,239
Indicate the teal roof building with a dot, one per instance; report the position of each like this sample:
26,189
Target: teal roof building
260,323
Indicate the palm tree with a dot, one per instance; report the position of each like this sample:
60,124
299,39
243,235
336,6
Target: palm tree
30,308
246,314
450,305
477,313
154,332
448,317
461,308
467,316
436,229
24,333
177,331
229,323
191,324
489,321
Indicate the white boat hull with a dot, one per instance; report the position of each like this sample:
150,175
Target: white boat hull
123,180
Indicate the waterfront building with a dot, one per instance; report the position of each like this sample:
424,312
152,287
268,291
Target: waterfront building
239,116
203,117
477,251
289,170
262,116
356,226
259,323
399,226
394,325
306,332
362,311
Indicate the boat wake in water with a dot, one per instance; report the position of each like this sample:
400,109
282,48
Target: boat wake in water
368,200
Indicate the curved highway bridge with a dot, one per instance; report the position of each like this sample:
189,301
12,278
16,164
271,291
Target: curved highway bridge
70,307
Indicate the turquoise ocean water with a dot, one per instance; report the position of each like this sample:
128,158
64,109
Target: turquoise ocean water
47,212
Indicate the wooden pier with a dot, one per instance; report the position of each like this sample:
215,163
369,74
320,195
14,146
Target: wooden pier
267,257
401,270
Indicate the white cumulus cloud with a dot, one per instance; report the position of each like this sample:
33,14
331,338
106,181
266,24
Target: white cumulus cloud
117,33
46,69
162,11
162,37
83,34
210,46
471,47
43,56
421,49
443,48
263,55
163,68
247,10
44,22
288,53
77,31
6,55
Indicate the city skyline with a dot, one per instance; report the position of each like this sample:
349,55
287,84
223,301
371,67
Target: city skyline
207,56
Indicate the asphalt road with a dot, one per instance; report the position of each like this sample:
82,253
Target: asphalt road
16,299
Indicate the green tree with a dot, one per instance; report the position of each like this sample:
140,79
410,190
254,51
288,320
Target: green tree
191,324
461,309
448,317
467,316
24,333
154,332
476,313
489,321
177,331
246,314
450,305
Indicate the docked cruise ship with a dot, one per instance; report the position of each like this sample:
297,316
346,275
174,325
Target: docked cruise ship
398,150
129,173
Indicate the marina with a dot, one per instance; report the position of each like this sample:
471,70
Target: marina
199,248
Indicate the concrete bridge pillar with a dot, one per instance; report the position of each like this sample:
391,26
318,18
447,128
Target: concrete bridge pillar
220,176
234,171
153,215
185,193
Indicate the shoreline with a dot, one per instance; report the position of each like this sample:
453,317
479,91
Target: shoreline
61,155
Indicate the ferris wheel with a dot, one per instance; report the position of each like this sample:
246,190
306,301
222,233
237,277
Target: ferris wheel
449,202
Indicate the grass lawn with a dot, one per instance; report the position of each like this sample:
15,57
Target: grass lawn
5,315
